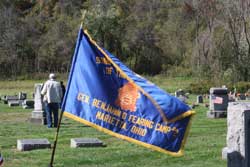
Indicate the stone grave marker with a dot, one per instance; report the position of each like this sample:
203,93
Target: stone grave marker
241,96
9,98
86,142
12,103
199,99
28,104
38,114
31,144
15,100
4,99
22,96
12,99
237,151
247,97
180,94
218,102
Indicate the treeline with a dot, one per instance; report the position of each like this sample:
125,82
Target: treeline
206,39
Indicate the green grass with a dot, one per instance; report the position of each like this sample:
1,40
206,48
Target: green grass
203,148
14,87
171,84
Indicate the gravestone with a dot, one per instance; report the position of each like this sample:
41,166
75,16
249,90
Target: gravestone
85,142
199,99
179,93
38,114
11,99
241,96
218,102
31,144
22,96
247,97
28,104
15,100
4,99
237,151
12,103
231,97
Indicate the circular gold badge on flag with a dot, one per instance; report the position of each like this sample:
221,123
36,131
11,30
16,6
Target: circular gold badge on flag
127,97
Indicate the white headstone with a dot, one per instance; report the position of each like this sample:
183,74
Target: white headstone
38,106
235,126
236,144
37,116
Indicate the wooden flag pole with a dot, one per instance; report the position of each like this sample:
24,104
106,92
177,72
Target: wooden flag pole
61,115
83,16
55,141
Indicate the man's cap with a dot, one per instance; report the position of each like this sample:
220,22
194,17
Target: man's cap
52,76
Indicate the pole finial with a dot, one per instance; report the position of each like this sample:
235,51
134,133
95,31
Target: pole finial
83,16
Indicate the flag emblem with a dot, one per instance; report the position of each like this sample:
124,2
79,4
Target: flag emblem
127,97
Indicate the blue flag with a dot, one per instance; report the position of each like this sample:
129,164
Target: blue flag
105,94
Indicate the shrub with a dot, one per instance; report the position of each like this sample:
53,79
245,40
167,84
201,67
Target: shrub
176,71
200,87
242,87
203,86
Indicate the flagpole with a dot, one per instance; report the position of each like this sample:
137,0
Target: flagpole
83,16
55,141
61,114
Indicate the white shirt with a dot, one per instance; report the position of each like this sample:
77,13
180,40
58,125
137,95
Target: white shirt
52,91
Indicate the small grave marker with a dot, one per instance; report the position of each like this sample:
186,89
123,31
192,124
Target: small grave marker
85,142
179,93
28,104
22,96
12,103
199,99
31,144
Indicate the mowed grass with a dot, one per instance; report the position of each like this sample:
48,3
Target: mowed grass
203,148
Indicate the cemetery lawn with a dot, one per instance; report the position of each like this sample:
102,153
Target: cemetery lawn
203,148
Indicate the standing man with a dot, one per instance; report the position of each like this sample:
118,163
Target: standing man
52,93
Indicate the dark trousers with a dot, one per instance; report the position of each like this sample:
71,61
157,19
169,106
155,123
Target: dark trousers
51,108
